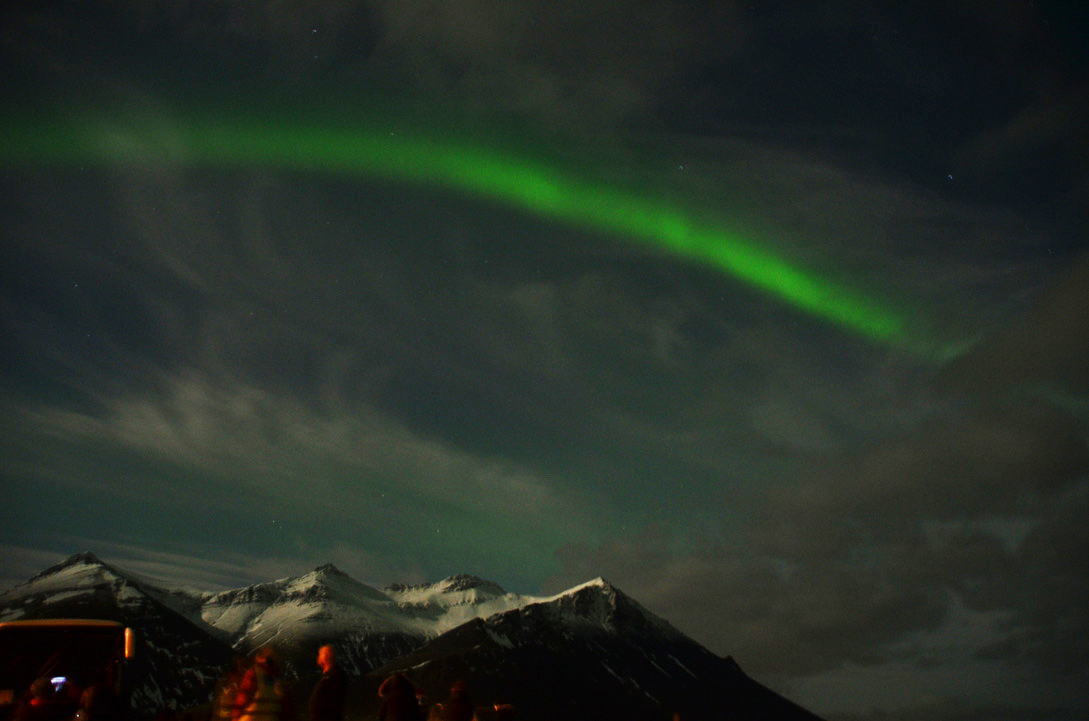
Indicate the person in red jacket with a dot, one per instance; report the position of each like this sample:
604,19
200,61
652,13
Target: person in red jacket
262,695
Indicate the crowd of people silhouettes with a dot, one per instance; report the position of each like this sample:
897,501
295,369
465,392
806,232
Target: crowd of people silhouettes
58,699
257,692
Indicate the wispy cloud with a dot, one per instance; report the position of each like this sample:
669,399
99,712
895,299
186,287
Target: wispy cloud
296,454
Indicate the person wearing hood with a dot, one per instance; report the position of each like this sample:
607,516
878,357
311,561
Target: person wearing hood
398,696
460,706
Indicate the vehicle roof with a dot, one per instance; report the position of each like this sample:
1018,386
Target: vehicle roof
58,622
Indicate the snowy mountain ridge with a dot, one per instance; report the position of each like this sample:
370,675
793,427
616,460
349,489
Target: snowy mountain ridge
325,602
82,574
612,657
180,656
328,602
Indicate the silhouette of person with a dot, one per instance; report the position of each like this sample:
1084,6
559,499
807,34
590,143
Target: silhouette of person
460,706
98,703
327,699
398,700
225,696
42,704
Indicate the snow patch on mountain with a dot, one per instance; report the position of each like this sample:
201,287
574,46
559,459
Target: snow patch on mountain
323,601
82,571
434,608
499,639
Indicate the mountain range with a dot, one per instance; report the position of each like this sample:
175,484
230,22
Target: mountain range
590,652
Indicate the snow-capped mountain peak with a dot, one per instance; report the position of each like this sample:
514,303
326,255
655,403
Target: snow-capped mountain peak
178,651
438,607
76,569
323,602
451,591
329,583
466,582
72,583
597,583
612,657
597,602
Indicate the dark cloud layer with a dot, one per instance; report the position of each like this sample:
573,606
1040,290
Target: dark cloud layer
411,382
1047,345
993,92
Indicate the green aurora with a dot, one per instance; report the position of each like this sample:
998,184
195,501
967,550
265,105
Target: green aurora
480,170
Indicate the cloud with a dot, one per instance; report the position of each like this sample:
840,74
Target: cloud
780,618
203,567
557,61
554,62
261,442
869,550
876,624
22,562
199,566
1038,154
1045,346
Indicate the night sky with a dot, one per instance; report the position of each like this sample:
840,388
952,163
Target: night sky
773,314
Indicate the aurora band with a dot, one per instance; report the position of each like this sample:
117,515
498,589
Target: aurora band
473,168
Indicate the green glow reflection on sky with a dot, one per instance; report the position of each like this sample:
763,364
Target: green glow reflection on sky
473,168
